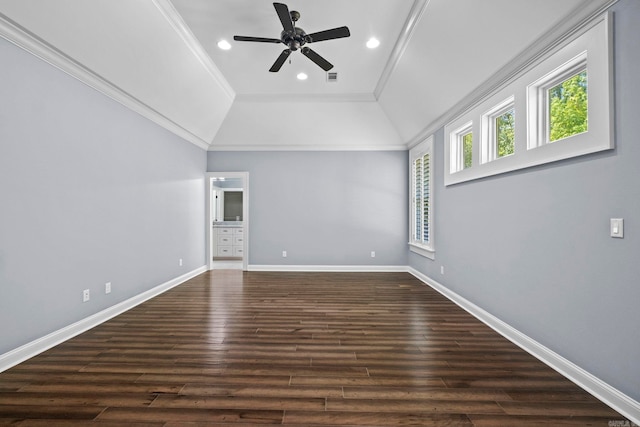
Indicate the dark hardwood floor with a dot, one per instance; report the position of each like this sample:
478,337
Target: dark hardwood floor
304,349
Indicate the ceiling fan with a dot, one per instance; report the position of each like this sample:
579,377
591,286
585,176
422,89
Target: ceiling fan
295,38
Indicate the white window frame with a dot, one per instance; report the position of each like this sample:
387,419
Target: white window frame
538,99
489,142
588,49
417,243
457,147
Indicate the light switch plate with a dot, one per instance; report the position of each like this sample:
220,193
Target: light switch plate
617,227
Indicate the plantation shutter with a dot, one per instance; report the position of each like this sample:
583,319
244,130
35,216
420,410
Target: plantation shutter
422,193
426,178
417,202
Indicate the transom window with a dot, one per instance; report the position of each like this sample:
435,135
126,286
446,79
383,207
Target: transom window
462,148
498,131
558,103
568,107
505,139
559,106
467,149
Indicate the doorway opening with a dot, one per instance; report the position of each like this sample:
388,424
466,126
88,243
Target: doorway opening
227,216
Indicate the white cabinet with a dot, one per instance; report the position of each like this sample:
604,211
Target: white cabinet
238,242
228,241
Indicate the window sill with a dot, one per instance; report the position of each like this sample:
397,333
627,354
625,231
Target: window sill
425,251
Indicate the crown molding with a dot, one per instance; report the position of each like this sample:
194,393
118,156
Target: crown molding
253,147
415,14
577,22
33,44
302,98
180,27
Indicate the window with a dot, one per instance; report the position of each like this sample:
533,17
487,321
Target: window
567,104
563,104
558,103
461,148
499,131
421,209
467,148
505,133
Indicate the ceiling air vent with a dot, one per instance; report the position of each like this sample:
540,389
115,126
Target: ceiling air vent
332,77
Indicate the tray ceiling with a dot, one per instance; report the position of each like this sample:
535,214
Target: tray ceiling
162,59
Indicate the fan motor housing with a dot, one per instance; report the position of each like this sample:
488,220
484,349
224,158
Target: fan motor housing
294,41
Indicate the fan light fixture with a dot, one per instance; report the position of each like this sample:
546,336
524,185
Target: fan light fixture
295,38
224,45
373,43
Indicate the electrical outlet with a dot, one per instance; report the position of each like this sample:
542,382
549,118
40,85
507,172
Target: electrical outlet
107,288
442,269
180,262
284,254
86,295
373,254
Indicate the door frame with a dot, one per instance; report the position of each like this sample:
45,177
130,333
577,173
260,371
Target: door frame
245,215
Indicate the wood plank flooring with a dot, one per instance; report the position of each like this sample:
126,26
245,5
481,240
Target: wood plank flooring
300,349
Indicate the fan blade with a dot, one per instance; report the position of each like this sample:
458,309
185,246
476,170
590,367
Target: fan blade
283,13
334,33
281,59
255,39
319,60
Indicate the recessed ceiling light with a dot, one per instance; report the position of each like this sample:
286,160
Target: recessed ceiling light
224,45
373,43
302,76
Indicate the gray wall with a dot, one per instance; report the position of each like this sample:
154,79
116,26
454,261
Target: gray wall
90,192
324,208
533,247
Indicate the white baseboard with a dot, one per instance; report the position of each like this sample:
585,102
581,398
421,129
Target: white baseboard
33,348
330,268
617,400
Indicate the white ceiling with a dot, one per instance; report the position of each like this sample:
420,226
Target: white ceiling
246,65
160,57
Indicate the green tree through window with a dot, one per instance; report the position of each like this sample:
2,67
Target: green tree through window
467,148
505,137
568,107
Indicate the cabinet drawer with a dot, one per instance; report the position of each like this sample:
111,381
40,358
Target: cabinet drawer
222,231
237,240
225,251
237,251
237,231
225,240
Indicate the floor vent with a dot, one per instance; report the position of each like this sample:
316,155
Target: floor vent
332,77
